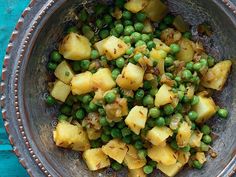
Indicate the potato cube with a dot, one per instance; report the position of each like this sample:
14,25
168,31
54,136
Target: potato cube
156,10
75,47
195,139
183,157
161,45
200,156
132,160
64,72
158,135
131,77
164,96
82,83
216,76
100,46
136,173
60,91
205,108
93,133
135,5
170,170
186,52
170,36
183,135
115,149
96,159
137,118
71,136
114,47
102,80
148,28
164,155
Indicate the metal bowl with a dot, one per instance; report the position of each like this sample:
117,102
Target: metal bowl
29,121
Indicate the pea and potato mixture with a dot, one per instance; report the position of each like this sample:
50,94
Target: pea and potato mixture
135,90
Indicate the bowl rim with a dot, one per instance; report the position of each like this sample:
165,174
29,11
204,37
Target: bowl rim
38,9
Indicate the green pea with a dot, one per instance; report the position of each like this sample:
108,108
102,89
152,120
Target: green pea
103,121
153,91
72,29
193,115
127,139
168,109
107,19
80,114
206,129
101,111
116,166
95,143
52,66
152,163
207,139
135,37
142,153
66,110
175,48
138,56
162,26
127,23
193,126
210,61
174,145
223,113
186,99
135,137
92,107
76,66
160,122
146,38
138,144
154,112
148,100
127,39
151,45
139,26
115,73
55,56
84,64
129,51
105,138
170,75
169,61
86,99
195,80
147,169
204,62
128,30
125,131
106,129
94,54
197,164
195,100
86,29
110,97
168,20
204,147
197,66
120,62
83,15
141,16
99,23
178,79
50,100
104,33
187,35
116,133
114,33
127,15
186,148
186,74
140,43
189,65
139,95
121,124
62,117
119,28
157,34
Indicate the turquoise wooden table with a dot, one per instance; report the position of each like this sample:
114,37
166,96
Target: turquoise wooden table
10,11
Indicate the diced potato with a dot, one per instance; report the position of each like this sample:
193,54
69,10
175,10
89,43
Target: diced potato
60,91
161,45
132,160
137,118
135,5
205,108
170,170
96,159
156,10
114,47
216,76
183,157
71,136
164,155
148,28
200,156
170,36
75,47
180,24
186,52
93,134
183,135
158,135
102,80
195,139
115,149
131,77
100,46
156,56
82,83
117,13
164,96
64,72
136,173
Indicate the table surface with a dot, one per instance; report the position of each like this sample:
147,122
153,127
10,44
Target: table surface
10,11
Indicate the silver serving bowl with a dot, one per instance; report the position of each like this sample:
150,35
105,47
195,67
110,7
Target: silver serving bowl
29,121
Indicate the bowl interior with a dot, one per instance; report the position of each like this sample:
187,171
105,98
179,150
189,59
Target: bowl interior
40,119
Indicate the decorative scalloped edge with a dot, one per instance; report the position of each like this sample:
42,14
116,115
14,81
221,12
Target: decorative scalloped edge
229,4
